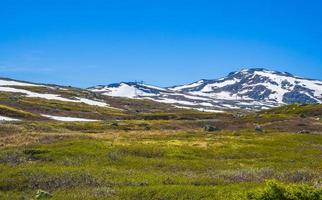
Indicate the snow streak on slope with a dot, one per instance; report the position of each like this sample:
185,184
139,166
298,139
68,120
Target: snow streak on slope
192,85
3,118
69,119
7,86
4,82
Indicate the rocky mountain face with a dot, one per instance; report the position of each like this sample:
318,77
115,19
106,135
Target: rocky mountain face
255,88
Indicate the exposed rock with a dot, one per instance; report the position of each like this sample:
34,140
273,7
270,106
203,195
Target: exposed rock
259,128
209,128
304,131
114,124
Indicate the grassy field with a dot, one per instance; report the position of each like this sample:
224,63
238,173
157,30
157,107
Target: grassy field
159,162
159,154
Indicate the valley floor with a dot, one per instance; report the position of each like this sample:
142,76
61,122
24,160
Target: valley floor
154,164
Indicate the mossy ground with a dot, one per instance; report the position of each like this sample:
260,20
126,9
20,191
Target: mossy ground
156,164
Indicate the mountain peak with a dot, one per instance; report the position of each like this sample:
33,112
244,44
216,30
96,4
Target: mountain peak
254,69
258,71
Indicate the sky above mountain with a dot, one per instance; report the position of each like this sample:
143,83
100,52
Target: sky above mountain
162,42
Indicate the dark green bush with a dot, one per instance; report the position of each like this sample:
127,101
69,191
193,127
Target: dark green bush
279,191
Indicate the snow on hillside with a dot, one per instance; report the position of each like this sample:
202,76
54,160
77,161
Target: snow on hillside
259,85
255,88
3,118
4,82
91,102
68,119
7,86
129,90
192,85
125,90
246,89
144,91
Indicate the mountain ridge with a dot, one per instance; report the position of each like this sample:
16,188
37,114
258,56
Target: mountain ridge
250,88
253,89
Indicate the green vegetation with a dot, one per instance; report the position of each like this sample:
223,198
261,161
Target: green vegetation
121,108
16,113
305,110
104,126
183,114
147,150
156,164
278,191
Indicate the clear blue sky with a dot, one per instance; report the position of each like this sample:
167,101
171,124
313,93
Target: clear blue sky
163,42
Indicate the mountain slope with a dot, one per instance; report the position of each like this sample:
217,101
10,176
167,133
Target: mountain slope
29,101
163,95
255,88
21,100
258,84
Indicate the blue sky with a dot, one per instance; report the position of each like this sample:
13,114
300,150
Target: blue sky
162,42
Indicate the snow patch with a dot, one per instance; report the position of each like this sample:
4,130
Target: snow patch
210,87
3,118
195,84
201,109
69,119
52,96
92,102
15,83
125,90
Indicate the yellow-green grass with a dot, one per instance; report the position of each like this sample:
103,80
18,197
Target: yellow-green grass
286,112
181,115
8,111
106,126
159,164
296,109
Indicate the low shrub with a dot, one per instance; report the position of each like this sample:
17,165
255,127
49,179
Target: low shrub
280,191
59,180
16,113
12,158
9,129
142,151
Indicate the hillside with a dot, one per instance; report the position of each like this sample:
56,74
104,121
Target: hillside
29,101
72,143
162,159
255,88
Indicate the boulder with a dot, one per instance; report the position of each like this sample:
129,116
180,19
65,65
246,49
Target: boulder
209,128
259,128
114,125
41,194
303,131
302,115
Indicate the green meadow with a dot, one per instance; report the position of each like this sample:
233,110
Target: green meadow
118,163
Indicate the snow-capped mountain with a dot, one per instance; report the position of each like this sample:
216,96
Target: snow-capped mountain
255,88
260,85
